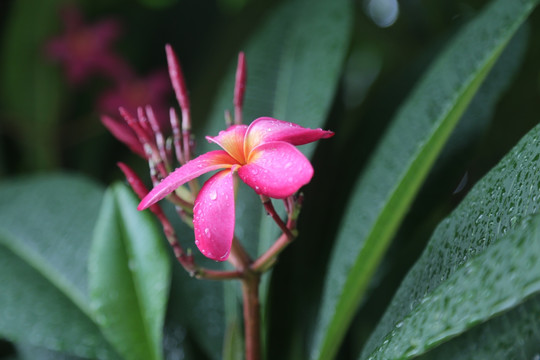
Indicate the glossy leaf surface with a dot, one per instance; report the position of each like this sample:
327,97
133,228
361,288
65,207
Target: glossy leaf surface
480,262
129,271
44,246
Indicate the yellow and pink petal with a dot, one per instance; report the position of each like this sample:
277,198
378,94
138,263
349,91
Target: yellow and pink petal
232,141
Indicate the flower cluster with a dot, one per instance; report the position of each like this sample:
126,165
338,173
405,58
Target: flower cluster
85,50
263,155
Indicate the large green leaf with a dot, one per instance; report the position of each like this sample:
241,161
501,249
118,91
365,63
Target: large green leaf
474,267
514,335
402,160
129,276
30,87
45,234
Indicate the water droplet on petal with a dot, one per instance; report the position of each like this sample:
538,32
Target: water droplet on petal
213,195
254,171
207,233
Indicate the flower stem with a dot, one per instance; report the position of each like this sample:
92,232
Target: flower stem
270,210
241,260
252,314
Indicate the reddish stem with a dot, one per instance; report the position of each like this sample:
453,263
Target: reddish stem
239,87
267,259
252,314
177,136
160,139
270,210
250,294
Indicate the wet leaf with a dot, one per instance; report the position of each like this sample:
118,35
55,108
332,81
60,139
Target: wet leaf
129,276
481,261
44,245
403,159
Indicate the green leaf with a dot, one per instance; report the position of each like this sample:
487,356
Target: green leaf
29,352
480,112
513,335
474,266
30,87
403,159
45,234
196,307
129,275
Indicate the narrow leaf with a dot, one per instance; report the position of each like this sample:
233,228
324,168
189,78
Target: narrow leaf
402,160
129,276
44,245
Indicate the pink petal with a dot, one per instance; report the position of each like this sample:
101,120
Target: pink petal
266,129
124,133
212,160
213,216
276,169
232,141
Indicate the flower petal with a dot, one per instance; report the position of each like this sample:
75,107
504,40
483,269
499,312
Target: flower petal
266,129
213,216
212,160
276,169
232,141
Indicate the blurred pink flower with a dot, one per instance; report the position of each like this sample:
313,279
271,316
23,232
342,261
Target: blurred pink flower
132,95
262,155
134,92
85,50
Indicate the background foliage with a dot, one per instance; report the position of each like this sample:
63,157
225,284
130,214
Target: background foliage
420,231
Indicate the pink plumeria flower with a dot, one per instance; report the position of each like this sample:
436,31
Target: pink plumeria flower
264,158
135,92
84,49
